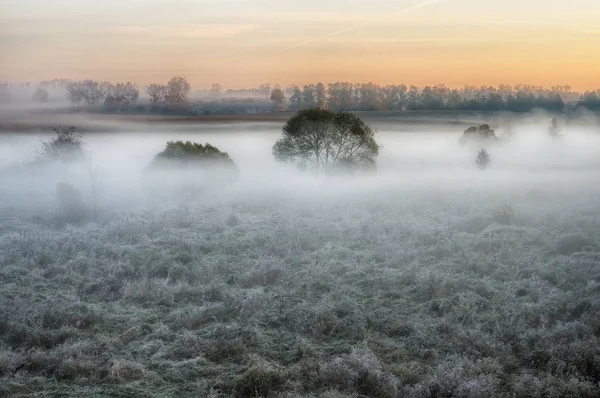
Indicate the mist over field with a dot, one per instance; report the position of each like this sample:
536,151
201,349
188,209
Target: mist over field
427,277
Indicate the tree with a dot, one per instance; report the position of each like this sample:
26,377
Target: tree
216,90
92,92
177,90
477,134
121,94
88,91
157,93
265,90
295,99
590,100
106,88
341,96
554,129
40,95
67,146
75,92
278,98
308,97
327,140
483,159
320,96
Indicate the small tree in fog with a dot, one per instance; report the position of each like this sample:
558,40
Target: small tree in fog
308,97
327,141
295,99
483,159
66,146
88,91
320,95
121,94
278,98
178,89
216,90
40,95
554,128
482,132
157,93
265,90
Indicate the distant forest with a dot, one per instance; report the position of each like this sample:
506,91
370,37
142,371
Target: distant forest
177,97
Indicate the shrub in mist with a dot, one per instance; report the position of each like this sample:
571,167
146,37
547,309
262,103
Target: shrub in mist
554,128
40,95
188,165
483,159
480,133
66,146
328,141
72,208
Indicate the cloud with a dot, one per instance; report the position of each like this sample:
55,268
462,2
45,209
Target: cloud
187,31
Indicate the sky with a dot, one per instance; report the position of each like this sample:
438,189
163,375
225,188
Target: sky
242,43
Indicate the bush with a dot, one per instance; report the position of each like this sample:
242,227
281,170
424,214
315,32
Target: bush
554,128
477,134
483,159
67,146
190,166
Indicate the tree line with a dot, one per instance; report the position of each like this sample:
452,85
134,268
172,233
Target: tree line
338,96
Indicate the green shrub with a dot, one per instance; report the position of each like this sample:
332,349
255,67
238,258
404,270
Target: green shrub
191,153
187,167
480,133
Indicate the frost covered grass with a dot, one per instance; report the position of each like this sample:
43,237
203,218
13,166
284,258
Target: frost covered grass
453,283
423,296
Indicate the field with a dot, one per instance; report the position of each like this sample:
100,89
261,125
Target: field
429,278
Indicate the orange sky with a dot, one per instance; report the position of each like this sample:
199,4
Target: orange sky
239,43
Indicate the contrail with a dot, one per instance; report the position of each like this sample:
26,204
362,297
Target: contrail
360,25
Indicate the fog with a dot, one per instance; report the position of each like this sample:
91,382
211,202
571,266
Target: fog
429,159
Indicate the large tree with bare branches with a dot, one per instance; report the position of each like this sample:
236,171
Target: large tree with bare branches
327,141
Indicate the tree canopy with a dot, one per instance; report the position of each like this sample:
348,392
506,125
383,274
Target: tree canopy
479,133
190,167
190,152
328,141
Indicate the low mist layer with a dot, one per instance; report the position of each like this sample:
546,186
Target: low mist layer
427,277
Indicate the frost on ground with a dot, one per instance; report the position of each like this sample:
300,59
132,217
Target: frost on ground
422,292
423,297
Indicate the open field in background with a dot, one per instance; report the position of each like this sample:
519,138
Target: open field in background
427,279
